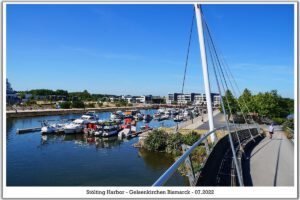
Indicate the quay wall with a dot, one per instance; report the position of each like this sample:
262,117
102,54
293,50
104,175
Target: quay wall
49,112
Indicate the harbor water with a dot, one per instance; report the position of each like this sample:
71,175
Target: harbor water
78,160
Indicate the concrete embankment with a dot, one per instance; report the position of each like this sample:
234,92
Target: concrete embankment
49,112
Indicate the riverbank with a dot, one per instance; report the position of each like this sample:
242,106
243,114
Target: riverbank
49,112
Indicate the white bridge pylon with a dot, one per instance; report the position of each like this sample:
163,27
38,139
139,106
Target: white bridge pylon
205,71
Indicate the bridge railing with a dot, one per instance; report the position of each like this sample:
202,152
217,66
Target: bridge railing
186,157
290,133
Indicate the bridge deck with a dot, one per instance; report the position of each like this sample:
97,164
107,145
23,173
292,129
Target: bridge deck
272,161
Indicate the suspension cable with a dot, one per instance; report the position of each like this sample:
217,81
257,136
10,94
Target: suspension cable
228,71
214,63
230,137
188,52
239,91
219,64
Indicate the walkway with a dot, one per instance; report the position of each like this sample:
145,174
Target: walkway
219,121
272,161
197,122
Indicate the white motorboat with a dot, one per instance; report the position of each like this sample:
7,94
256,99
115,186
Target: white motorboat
119,112
164,117
76,126
73,128
138,116
178,118
127,132
157,116
161,110
91,116
110,131
117,116
51,128
48,129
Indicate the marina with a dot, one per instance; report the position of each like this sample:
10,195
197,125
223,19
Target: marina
80,155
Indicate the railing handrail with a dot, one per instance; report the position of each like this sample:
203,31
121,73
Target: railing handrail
165,176
290,130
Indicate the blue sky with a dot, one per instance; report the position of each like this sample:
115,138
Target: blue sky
141,49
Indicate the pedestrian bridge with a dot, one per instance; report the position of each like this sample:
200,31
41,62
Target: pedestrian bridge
261,161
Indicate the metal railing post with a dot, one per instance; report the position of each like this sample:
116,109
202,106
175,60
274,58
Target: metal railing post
169,172
206,147
189,166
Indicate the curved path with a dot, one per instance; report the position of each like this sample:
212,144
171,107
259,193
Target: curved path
272,161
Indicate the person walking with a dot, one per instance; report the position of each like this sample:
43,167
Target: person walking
271,130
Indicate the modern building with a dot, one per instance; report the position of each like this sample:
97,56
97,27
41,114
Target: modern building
192,98
200,99
144,99
184,99
128,98
216,99
113,98
172,98
11,95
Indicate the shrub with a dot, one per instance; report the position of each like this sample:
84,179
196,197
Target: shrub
30,103
289,123
279,120
65,105
90,105
174,142
156,141
190,138
77,104
100,104
198,157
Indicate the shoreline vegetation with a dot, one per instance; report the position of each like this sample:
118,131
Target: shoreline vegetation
167,141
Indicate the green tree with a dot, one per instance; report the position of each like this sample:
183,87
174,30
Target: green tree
78,104
230,104
65,105
62,92
266,104
246,101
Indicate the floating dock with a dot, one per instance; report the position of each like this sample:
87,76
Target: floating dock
28,130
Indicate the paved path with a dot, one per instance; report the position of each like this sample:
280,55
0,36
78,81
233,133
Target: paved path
272,161
198,121
219,121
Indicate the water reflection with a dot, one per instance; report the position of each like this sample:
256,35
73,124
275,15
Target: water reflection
155,160
83,140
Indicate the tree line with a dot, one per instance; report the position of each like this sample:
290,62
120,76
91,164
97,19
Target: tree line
84,95
264,104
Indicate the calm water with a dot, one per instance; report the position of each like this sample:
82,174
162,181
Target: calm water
75,160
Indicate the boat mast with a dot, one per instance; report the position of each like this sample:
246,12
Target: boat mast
205,70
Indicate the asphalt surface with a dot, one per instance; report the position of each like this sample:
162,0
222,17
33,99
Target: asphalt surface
218,122
272,161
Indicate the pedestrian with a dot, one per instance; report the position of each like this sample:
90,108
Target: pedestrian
271,130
